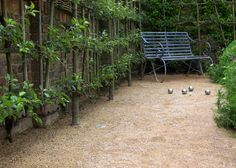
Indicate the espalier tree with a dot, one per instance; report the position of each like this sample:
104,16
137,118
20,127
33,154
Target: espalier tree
17,98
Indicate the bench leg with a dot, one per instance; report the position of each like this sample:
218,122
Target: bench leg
154,71
189,67
165,68
200,67
155,74
212,62
144,65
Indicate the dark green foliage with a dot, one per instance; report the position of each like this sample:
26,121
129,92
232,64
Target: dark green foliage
12,33
225,73
122,64
54,95
217,72
20,98
109,9
159,15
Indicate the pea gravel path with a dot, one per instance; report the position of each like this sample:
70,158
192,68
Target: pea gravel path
143,127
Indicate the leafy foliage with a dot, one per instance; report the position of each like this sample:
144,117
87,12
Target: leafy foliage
54,95
20,98
11,32
217,72
225,73
109,9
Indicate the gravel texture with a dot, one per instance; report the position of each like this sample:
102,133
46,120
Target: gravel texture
143,127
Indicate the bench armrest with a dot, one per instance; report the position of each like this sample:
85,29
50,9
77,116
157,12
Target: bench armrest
145,41
207,50
156,43
160,52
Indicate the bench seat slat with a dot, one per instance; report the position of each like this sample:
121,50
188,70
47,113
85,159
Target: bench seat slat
164,38
185,58
166,49
170,53
179,58
163,34
166,45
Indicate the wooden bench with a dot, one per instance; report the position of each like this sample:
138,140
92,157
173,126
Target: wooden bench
172,46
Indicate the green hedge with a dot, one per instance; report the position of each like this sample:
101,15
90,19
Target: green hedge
217,72
225,74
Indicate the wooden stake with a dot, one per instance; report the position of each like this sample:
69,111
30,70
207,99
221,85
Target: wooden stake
24,60
83,51
40,43
164,13
140,12
7,44
198,22
88,53
94,54
98,55
220,25
179,13
141,48
75,96
233,6
111,88
127,27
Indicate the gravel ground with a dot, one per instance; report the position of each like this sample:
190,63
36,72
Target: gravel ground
143,127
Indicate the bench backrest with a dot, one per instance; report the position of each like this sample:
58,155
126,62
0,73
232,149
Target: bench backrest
166,44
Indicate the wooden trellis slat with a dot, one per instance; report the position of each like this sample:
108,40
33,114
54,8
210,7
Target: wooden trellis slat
194,3
67,5
64,5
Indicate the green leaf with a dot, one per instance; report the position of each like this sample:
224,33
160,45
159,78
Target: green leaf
21,94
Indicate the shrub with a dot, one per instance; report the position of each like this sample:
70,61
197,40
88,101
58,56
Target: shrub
225,73
216,72
20,98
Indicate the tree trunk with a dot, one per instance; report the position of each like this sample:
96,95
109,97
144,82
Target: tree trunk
40,43
75,96
198,27
198,22
127,24
8,121
111,88
141,48
47,69
83,51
